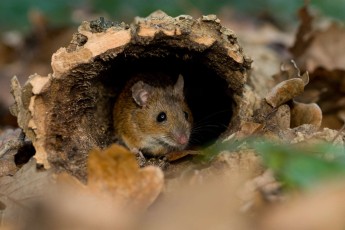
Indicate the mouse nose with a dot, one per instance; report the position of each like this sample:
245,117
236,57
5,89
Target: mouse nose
182,139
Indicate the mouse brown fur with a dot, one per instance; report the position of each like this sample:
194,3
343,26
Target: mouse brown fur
152,118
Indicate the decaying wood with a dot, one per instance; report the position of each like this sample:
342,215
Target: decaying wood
69,112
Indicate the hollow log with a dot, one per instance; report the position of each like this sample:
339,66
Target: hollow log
69,112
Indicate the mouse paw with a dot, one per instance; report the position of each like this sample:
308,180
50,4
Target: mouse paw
140,156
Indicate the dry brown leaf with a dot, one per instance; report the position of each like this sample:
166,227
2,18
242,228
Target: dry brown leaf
247,129
305,114
114,172
260,191
16,192
281,118
9,145
318,47
304,33
206,199
72,205
285,91
326,50
116,192
15,150
291,85
173,156
325,88
320,209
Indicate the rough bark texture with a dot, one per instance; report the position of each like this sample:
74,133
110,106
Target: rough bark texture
68,112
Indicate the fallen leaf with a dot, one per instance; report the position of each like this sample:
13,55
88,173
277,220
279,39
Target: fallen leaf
305,114
319,209
73,205
284,92
326,50
9,145
15,150
326,89
318,46
116,193
305,31
319,49
260,191
16,192
281,118
247,129
173,156
292,85
114,172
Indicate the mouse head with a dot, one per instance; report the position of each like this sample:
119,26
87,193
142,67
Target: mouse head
165,119
142,91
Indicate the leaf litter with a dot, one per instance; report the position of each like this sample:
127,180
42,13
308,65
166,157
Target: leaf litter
245,184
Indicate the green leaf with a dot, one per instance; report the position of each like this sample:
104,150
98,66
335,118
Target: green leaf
303,167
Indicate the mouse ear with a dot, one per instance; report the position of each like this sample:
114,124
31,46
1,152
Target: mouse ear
140,93
178,87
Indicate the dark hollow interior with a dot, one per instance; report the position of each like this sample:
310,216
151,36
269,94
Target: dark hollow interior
24,153
207,94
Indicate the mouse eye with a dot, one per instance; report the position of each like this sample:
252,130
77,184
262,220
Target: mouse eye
161,117
186,115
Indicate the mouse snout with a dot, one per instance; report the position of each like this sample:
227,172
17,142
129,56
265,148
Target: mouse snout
182,139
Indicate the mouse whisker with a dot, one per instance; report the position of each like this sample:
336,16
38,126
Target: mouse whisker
213,115
209,122
207,127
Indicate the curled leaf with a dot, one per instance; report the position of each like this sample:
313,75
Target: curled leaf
291,85
305,114
285,91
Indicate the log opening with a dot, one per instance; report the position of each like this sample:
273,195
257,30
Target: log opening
208,95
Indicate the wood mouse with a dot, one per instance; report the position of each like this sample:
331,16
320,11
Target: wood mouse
152,119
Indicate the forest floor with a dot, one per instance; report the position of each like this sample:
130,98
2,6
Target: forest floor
291,180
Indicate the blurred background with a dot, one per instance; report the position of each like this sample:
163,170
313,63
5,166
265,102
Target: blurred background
31,30
14,15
